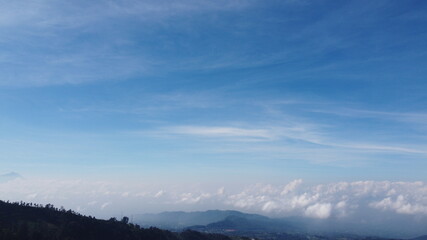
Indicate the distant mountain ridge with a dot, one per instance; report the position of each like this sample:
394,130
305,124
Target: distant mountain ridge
9,177
230,221
179,219
249,223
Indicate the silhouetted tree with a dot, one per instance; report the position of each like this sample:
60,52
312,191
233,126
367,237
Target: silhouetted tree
125,220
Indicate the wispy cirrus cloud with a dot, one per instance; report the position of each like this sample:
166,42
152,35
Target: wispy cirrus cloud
58,42
280,134
222,132
52,14
408,117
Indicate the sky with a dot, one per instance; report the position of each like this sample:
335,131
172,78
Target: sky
147,95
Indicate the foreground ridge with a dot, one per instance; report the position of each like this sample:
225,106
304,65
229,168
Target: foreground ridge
20,220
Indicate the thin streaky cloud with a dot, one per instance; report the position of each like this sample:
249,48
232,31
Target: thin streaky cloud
279,134
414,117
223,132
51,14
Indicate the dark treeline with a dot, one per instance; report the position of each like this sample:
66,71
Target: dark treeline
20,220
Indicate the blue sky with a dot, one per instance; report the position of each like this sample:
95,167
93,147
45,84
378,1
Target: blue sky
284,108
214,91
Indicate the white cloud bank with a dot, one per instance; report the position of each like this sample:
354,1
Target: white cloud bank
400,205
333,200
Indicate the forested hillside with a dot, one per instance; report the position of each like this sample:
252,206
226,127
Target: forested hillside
31,221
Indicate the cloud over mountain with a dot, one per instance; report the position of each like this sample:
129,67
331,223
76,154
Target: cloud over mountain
322,201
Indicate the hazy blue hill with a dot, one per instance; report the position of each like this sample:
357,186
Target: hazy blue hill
216,221
9,177
248,223
237,223
274,229
178,220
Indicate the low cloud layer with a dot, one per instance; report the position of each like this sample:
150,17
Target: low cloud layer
333,200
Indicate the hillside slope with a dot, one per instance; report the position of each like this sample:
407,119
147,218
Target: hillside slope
28,221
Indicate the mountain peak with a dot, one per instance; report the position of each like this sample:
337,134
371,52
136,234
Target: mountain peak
9,177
